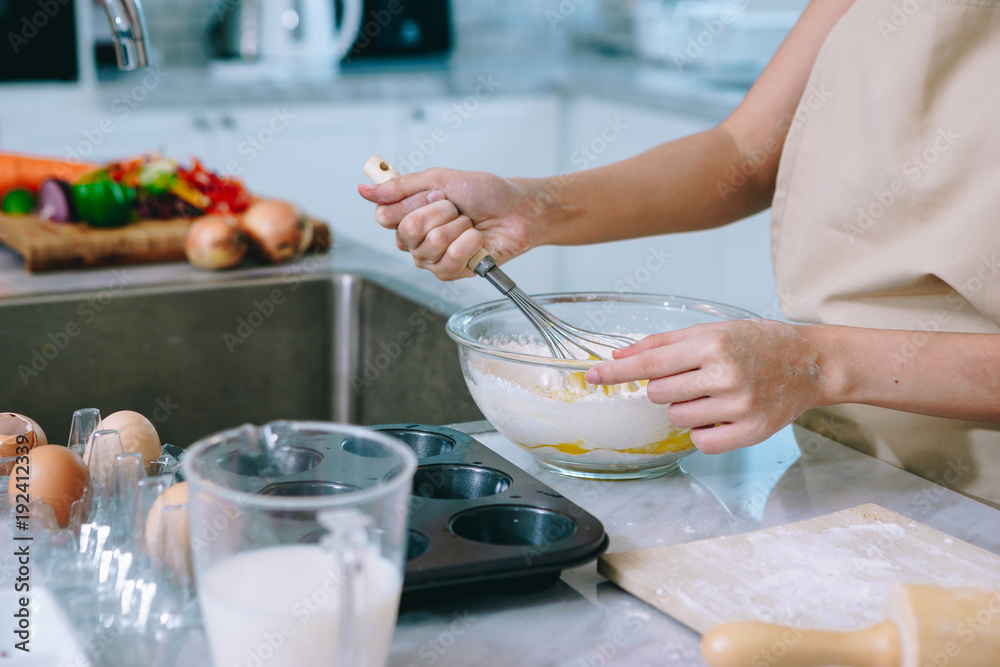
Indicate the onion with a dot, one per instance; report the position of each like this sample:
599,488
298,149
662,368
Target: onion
55,201
278,229
215,242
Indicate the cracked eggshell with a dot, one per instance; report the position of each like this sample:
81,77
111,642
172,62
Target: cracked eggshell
17,430
137,433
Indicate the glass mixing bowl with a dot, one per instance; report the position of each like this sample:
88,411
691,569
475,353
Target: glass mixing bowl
545,406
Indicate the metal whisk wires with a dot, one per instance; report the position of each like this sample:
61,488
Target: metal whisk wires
560,336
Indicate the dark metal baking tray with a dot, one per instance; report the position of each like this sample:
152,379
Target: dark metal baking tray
479,523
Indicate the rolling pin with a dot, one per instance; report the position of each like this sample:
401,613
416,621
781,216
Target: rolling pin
380,171
925,626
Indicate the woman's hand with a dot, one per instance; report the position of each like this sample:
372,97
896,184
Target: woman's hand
733,383
442,217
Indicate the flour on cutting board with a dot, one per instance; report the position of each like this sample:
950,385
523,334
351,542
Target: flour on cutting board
832,572
836,580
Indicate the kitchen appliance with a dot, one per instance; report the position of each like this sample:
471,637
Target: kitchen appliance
296,31
831,572
38,46
922,622
391,28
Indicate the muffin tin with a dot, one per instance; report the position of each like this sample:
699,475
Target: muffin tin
478,522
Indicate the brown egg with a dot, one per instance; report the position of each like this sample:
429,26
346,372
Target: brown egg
137,433
168,535
56,476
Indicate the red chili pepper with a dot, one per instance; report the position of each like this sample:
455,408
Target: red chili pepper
227,195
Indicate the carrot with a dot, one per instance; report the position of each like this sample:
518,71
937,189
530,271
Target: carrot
28,171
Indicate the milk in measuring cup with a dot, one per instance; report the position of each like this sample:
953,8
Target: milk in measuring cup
280,606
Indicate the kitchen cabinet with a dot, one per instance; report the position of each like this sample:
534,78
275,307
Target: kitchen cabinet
93,134
311,154
505,135
731,265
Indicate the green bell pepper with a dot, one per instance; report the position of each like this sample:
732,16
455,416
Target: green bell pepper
103,202
18,202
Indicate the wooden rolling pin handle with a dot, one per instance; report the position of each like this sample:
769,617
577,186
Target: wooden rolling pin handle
751,644
380,171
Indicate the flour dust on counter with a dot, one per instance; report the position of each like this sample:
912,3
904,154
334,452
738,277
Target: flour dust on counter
832,572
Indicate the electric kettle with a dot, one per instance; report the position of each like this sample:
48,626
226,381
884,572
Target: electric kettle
299,32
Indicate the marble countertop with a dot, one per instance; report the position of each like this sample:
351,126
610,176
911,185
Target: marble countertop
585,621
222,85
623,78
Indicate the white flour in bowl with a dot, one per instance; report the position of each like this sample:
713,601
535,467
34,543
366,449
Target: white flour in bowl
555,413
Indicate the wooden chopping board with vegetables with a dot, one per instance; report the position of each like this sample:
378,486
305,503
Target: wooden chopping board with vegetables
60,215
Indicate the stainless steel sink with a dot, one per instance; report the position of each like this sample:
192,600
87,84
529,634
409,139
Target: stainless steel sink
198,359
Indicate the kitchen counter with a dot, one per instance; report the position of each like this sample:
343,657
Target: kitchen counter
615,77
620,78
347,256
585,621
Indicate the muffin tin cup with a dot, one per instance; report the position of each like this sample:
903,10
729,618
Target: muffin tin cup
477,520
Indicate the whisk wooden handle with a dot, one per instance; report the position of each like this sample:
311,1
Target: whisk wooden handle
380,171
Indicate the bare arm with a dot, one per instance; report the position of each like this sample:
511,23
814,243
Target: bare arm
736,383
697,182
954,375
442,216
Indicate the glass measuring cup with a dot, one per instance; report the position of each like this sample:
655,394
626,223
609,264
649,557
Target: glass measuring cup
298,531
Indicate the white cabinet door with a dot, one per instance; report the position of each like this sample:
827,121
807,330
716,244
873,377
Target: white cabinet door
103,135
311,154
505,135
508,135
730,265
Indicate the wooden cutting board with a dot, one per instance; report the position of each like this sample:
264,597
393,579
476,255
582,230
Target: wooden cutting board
832,572
47,245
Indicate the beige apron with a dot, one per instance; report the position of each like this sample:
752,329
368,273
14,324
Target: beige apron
887,210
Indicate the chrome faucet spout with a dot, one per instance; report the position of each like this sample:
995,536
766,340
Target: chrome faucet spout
128,27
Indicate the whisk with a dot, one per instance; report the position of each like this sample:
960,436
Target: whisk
560,336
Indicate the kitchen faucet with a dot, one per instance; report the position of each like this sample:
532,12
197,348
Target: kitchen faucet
128,27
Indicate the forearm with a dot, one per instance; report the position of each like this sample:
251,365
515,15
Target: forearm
698,182
954,375
684,185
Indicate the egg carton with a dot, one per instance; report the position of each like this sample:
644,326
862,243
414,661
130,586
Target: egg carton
129,596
